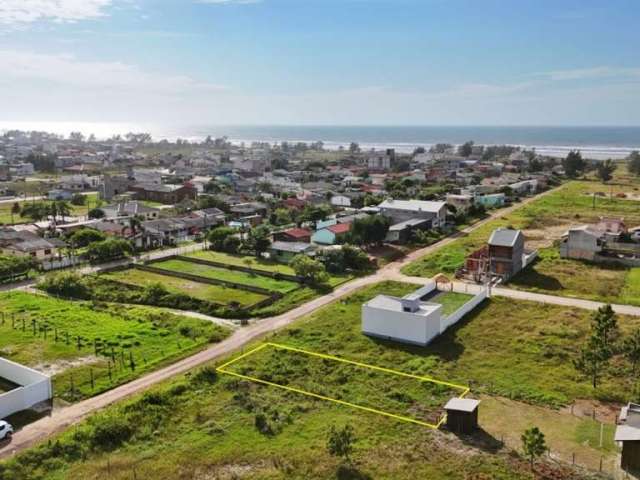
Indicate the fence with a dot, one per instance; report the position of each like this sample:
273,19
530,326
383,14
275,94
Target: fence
264,273
449,320
33,387
211,281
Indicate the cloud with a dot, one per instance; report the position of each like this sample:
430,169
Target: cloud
63,70
18,13
230,2
593,73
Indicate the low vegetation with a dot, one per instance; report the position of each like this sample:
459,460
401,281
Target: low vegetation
89,347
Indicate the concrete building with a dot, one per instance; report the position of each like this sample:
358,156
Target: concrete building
412,319
332,234
628,434
403,210
28,388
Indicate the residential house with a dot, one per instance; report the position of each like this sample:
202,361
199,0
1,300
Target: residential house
461,203
293,235
502,258
167,194
131,209
332,234
380,160
284,252
28,244
340,201
403,210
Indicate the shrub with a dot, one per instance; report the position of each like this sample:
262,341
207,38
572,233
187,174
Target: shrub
109,432
65,284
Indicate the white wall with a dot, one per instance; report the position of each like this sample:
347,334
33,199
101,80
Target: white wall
447,321
401,326
36,387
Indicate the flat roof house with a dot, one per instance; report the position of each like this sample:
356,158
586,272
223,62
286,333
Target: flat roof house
403,210
628,433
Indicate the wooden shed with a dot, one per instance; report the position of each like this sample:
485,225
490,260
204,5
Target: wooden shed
462,415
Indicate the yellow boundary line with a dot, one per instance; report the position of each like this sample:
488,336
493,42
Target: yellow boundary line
222,369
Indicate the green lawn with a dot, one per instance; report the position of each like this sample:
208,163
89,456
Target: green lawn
242,261
215,273
76,210
450,301
205,425
73,340
202,291
579,279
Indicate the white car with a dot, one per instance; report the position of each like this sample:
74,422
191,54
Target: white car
6,430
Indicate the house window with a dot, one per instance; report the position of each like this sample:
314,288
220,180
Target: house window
33,254
47,251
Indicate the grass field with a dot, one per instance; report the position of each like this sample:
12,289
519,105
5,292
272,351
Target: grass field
450,301
571,204
242,261
73,340
202,291
215,273
574,278
215,426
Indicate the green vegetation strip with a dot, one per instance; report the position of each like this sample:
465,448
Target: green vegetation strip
203,291
214,273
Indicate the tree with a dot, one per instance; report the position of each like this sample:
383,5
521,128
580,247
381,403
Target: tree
78,199
634,162
533,444
354,147
370,230
574,164
340,442
310,270
135,224
419,150
95,213
12,267
315,213
15,210
465,149
36,211
259,240
218,237
59,207
605,170
84,237
631,349
109,249
605,325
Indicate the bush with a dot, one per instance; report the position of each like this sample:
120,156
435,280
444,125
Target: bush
65,284
110,432
310,270
110,249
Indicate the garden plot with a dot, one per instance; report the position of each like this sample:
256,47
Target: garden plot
222,274
202,291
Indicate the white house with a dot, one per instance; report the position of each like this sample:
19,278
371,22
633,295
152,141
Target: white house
31,387
410,319
340,201
403,210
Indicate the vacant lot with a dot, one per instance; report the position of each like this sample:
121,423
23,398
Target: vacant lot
203,291
214,273
544,220
233,427
74,340
574,278
242,261
76,210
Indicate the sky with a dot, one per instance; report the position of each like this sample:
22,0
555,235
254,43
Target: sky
321,62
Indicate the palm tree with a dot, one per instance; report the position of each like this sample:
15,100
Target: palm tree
15,209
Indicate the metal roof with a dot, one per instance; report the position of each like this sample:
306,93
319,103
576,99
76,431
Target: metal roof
462,404
413,205
504,237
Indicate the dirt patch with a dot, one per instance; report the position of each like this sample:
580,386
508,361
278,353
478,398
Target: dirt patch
544,238
60,366
603,412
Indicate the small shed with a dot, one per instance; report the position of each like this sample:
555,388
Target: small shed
462,415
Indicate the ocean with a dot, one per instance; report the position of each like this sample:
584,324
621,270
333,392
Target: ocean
593,142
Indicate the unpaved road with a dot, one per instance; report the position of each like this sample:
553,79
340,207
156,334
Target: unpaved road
62,418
